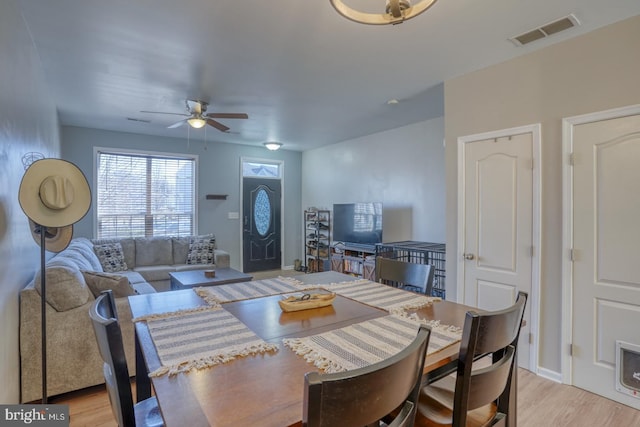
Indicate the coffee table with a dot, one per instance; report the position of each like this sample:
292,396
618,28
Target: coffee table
191,278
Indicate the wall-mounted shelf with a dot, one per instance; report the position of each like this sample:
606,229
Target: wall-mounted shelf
216,197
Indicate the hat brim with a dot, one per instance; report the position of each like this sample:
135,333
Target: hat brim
56,238
35,209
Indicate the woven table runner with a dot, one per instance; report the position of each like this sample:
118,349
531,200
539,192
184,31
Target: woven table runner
365,291
215,295
200,338
362,344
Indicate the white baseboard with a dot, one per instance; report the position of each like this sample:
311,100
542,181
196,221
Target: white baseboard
550,375
287,267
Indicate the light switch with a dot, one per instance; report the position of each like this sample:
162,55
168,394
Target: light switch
234,215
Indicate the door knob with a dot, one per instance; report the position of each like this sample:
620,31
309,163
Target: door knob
468,256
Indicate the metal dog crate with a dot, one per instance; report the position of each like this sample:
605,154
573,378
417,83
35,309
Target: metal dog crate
419,253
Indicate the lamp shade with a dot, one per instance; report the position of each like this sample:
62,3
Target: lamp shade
196,122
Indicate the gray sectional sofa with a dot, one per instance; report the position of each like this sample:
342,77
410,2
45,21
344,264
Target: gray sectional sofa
154,258
74,277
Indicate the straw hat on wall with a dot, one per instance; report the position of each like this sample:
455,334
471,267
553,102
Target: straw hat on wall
54,193
56,239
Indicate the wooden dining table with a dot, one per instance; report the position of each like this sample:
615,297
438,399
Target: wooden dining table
264,389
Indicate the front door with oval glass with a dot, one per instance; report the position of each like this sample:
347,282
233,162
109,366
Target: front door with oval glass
261,224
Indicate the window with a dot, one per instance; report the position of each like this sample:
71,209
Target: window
144,195
258,169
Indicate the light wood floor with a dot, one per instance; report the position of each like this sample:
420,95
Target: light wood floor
541,402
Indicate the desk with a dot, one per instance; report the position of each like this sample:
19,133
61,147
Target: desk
262,390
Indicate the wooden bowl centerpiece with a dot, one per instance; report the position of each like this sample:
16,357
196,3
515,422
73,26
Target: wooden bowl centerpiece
306,301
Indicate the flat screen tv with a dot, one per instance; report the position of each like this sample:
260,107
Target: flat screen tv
357,223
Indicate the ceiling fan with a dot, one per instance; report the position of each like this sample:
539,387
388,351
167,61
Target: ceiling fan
198,117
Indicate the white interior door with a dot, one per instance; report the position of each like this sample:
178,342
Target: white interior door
606,250
497,258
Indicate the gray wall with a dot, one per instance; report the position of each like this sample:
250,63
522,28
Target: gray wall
28,122
218,173
593,72
403,168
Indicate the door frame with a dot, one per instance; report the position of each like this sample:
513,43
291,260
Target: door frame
534,298
280,164
568,124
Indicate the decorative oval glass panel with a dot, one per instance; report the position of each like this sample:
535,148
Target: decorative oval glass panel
262,212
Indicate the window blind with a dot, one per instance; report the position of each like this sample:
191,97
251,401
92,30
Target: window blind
142,195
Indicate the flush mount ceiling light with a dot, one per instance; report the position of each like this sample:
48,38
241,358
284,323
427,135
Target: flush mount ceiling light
273,146
396,12
196,122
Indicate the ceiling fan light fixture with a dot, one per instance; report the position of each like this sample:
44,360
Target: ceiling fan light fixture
196,122
273,146
396,12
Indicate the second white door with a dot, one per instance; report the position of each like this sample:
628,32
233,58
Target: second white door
498,226
606,254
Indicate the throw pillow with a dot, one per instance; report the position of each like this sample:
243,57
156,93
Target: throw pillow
201,250
98,282
66,288
111,257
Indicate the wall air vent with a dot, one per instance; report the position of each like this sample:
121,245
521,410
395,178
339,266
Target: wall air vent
546,30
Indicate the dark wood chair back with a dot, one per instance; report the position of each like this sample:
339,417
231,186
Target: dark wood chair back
363,396
104,317
405,275
494,335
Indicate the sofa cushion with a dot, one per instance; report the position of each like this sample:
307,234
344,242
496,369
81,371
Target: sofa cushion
201,250
180,249
153,251
143,288
133,276
66,288
111,257
98,282
154,273
191,267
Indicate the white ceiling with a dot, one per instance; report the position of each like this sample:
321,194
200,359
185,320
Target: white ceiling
306,76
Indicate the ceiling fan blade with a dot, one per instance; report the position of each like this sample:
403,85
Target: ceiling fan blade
178,124
163,112
217,125
227,115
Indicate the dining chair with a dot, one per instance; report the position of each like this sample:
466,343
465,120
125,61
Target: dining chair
104,317
363,396
478,393
405,275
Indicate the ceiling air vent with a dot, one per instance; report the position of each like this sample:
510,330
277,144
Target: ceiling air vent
131,119
546,30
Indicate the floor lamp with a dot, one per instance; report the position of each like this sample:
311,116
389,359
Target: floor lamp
54,194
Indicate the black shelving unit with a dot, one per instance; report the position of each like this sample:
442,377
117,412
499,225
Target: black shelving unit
419,253
317,240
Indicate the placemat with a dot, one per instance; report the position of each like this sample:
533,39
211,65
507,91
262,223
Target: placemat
375,294
365,343
200,338
215,295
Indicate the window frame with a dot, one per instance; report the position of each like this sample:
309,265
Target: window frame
148,154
